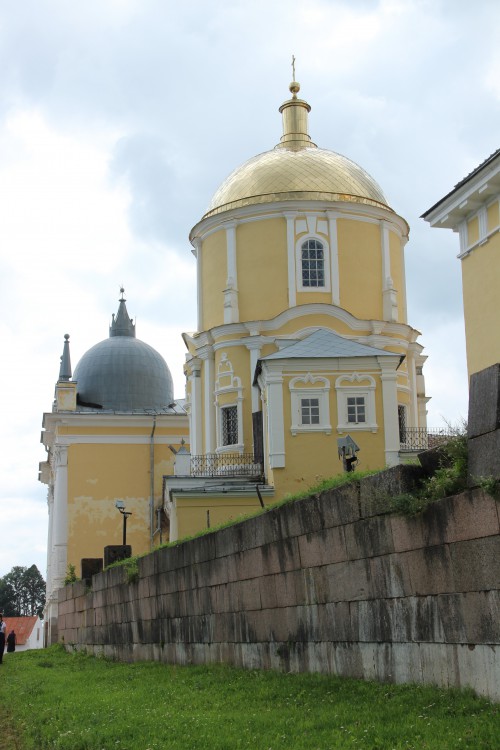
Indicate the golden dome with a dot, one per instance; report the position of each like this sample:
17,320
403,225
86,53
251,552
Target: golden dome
296,169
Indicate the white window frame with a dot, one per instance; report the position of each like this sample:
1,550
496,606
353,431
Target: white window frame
355,386
326,264
228,383
224,408
308,386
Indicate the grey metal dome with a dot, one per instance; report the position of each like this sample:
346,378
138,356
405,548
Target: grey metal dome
123,373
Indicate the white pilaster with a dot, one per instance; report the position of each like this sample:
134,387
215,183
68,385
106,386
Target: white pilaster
196,413
334,256
231,310
290,246
274,388
254,347
389,294
463,237
390,408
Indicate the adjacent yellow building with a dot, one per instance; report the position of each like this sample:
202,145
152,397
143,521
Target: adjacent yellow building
472,209
303,363
109,438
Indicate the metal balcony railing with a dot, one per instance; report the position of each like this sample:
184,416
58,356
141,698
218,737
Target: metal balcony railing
226,465
420,438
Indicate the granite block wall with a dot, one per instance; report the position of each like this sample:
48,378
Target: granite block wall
333,583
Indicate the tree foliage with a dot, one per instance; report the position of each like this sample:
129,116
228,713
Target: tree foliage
22,592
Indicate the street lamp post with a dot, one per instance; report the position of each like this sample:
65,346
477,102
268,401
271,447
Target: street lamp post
121,507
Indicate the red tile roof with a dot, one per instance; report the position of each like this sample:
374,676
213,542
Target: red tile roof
22,627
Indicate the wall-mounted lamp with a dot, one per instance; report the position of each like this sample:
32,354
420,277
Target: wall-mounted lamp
121,507
348,450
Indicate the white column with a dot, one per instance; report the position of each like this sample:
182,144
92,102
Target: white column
290,244
50,504
208,392
390,407
274,388
196,421
422,399
412,376
231,310
334,256
199,287
59,553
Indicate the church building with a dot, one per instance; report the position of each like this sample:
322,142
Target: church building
303,364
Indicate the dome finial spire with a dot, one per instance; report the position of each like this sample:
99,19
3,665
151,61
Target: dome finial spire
294,87
294,112
121,324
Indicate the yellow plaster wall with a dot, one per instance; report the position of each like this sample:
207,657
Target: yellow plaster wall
315,320
360,268
98,475
262,269
214,277
493,216
192,512
312,456
481,282
472,231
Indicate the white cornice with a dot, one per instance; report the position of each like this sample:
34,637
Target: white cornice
263,211
377,327
480,190
53,420
98,439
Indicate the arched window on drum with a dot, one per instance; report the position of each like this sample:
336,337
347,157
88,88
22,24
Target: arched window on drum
313,271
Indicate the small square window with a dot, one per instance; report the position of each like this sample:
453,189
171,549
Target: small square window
309,410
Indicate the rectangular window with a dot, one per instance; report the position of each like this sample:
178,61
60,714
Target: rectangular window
402,423
229,425
356,409
309,410
313,264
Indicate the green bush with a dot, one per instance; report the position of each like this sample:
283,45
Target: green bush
449,479
71,576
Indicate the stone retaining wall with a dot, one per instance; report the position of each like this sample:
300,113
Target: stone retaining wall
332,584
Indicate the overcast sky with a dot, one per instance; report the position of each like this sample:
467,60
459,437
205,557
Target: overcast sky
120,118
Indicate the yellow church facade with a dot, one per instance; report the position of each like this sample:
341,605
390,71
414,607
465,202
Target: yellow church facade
302,336
302,366
472,209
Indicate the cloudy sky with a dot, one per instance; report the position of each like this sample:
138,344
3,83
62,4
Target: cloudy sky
120,118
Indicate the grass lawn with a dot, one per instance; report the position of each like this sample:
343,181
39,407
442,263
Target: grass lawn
51,699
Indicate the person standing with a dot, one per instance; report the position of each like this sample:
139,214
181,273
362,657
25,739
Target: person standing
11,642
3,628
